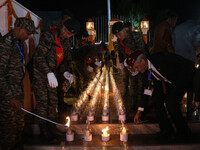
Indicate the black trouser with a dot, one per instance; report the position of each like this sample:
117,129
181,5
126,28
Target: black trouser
171,108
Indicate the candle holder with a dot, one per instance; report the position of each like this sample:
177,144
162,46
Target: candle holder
105,136
122,117
74,116
69,135
123,137
105,116
87,136
90,116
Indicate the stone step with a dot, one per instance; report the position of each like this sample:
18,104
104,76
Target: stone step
135,142
132,128
140,137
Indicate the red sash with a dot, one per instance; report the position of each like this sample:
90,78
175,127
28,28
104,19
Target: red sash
54,29
59,51
88,60
83,43
127,51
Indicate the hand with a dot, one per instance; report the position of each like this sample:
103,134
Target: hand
137,118
90,69
197,104
98,63
69,77
52,80
15,104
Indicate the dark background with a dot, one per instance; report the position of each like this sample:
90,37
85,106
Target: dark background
83,10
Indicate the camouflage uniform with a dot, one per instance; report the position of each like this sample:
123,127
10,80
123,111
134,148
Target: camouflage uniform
82,57
11,86
133,42
12,71
45,61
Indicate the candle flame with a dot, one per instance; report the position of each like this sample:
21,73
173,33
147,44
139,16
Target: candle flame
105,130
123,130
68,121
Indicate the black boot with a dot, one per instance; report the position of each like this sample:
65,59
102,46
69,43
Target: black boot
45,133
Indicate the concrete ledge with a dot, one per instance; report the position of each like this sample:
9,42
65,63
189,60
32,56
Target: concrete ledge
132,128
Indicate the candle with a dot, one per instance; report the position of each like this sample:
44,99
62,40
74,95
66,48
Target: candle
105,136
69,134
88,136
123,135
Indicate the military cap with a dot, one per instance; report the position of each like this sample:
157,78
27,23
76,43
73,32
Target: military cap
25,23
72,25
127,24
130,60
117,27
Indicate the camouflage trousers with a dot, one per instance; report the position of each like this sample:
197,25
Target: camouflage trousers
11,126
46,100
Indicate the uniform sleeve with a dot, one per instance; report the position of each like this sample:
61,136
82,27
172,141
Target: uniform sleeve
121,51
139,41
4,60
42,50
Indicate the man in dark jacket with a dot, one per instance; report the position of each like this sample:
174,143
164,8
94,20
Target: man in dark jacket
172,76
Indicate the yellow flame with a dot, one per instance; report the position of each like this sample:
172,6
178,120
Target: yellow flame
68,121
105,130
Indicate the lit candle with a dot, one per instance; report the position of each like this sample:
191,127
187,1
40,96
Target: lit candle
105,136
70,133
123,135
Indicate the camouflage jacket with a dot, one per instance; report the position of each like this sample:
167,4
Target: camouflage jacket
11,67
45,59
133,42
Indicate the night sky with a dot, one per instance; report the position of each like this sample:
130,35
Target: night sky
91,8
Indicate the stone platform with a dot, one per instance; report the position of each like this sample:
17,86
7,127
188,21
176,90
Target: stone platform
141,137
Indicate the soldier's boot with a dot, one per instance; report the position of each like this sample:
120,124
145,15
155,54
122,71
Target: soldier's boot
44,133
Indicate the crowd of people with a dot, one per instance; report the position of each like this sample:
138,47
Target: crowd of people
164,72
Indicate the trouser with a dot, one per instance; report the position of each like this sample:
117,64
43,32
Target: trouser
197,85
46,100
171,108
11,126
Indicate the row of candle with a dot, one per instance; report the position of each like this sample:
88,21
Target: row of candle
118,99
105,116
95,98
83,98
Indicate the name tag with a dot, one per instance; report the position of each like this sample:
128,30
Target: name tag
148,92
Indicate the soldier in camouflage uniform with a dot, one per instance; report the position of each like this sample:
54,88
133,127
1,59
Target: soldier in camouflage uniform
12,71
128,42
53,52
84,62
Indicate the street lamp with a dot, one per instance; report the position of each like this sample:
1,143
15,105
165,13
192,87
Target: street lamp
90,30
144,25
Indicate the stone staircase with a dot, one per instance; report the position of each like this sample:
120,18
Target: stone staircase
141,137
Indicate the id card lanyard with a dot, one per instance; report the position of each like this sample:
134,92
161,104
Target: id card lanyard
23,57
149,77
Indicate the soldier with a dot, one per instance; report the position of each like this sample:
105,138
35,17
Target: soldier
128,42
52,53
84,62
12,70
